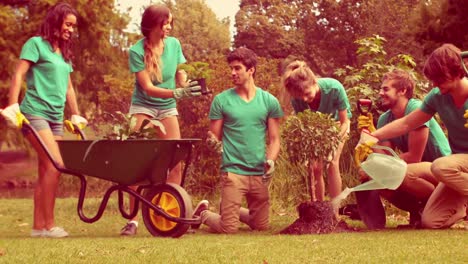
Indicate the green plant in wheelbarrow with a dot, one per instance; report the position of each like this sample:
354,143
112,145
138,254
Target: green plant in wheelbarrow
311,136
123,127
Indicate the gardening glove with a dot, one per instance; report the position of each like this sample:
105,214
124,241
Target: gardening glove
269,167
466,117
192,90
213,143
76,120
13,116
366,122
364,147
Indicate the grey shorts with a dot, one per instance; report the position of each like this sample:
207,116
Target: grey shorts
154,113
40,123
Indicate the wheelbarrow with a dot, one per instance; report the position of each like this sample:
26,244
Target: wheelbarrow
166,208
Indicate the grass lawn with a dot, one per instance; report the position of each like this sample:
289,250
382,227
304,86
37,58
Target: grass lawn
100,242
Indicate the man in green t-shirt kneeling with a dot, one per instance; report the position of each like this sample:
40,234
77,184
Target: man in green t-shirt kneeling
419,147
241,118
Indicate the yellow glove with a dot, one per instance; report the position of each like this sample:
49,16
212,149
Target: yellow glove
77,120
364,147
366,122
13,116
466,117
362,151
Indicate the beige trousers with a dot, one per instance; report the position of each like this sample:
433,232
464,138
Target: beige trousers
234,188
448,202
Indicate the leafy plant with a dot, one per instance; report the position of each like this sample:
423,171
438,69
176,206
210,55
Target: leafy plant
310,136
123,127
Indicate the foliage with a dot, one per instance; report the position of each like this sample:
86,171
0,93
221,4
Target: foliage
200,32
123,127
303,136
321,31
364,81
440,22
269,27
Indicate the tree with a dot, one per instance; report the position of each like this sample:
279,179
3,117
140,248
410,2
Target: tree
270,28
321,31
200,32
442,22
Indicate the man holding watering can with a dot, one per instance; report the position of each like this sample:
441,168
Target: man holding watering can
449,98
418,147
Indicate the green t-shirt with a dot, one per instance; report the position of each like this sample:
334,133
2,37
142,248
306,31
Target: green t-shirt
172,56
46,79
437,144
244,129
453,119
333,99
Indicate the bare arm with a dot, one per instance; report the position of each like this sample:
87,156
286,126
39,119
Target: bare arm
216,128
403,125
71,99
273,138
344,123
144,80
21,68
417,140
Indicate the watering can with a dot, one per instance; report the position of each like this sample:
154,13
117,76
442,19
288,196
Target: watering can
387,172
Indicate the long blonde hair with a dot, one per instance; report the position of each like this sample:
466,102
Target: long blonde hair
154,16
296,78
153,62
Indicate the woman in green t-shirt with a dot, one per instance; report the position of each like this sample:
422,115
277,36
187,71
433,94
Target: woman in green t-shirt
325,95
154,60
45,60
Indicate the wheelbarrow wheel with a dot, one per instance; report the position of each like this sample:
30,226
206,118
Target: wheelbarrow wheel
173,200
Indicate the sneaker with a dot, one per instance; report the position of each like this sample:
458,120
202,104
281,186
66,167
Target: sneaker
130,229
55,232
203,205
37,232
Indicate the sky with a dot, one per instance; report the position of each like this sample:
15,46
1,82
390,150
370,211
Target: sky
222,9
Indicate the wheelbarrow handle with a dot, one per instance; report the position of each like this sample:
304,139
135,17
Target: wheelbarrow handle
75,129
364,106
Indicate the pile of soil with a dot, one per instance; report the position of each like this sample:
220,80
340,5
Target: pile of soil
316,218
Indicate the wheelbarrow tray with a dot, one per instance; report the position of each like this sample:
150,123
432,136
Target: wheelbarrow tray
127,162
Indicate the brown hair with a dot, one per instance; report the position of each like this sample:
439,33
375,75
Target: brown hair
245,56
444,64
52,26
297,77
153,16
402,81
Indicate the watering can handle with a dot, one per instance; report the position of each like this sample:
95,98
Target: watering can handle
387,149
464,55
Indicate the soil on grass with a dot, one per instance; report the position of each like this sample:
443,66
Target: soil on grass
316,218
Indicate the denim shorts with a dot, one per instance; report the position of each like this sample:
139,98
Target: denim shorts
40,123
154,113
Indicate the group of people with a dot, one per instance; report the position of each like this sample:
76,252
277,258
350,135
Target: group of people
245,117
